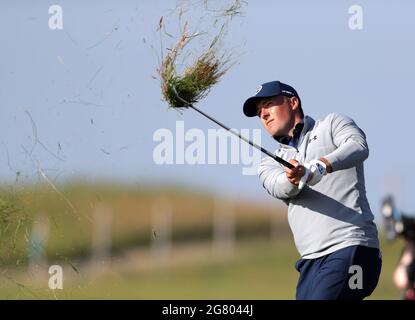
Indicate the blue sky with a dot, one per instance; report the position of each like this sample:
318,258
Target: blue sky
81,102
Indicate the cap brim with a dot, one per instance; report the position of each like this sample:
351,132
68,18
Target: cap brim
250,107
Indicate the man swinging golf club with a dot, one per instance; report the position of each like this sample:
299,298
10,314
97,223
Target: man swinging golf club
328,211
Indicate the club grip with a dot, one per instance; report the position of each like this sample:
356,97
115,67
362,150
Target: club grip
283,162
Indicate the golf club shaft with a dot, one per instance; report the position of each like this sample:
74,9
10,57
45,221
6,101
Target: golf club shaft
278,159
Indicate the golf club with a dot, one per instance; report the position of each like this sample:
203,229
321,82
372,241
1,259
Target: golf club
278,159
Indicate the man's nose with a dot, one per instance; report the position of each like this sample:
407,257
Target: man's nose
264,113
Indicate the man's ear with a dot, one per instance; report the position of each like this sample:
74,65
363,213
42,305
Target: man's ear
295,103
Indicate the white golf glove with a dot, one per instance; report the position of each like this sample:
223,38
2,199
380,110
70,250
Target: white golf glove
317,169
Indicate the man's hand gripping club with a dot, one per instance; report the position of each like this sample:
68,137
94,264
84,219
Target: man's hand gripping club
310,173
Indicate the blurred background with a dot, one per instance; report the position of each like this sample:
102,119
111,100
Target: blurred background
80,108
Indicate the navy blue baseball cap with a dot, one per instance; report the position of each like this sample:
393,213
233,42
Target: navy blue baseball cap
267,90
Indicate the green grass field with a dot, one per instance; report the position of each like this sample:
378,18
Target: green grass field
258,270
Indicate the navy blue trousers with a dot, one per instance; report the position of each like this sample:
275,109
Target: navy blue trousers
351,273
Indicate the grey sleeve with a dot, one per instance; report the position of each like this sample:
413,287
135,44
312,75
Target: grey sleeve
274,180
350,140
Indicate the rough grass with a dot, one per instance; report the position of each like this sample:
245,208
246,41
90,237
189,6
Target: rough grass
71,228
259,269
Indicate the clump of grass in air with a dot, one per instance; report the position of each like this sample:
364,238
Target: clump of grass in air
231,9
194,83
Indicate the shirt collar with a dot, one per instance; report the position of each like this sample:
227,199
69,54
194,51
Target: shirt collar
292,141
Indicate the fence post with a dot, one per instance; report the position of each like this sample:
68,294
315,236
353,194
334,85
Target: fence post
39,236
102,233
223,227
161,232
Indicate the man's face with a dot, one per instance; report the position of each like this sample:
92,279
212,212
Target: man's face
277,114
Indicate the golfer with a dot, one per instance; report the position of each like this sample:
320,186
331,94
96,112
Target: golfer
328,211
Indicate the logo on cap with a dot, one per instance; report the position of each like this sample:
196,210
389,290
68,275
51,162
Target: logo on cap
258,89
286,91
